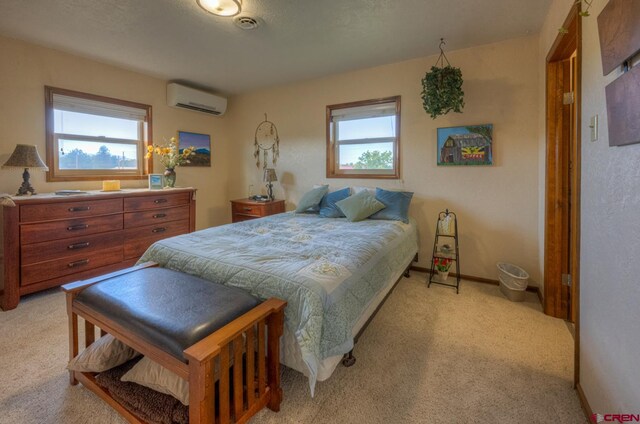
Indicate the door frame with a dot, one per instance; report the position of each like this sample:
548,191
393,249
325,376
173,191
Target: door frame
555,299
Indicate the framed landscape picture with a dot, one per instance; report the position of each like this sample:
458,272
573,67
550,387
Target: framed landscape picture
202,145
468,145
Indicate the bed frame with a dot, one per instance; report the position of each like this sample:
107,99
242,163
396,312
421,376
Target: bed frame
349,359
260,327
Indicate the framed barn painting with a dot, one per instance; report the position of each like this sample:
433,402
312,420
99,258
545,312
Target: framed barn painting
202,145
469,145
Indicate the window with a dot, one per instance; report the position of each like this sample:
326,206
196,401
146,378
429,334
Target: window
363,139
92,137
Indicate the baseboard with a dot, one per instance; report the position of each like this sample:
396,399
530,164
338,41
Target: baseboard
532,289
584,402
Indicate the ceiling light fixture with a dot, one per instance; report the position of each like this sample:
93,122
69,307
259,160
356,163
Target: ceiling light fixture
221,7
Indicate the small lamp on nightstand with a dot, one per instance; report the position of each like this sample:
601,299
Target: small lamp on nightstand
269,177
25,156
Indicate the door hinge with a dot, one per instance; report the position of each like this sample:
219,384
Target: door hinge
568,98
566,280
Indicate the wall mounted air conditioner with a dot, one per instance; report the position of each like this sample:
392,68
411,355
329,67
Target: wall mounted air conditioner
184,97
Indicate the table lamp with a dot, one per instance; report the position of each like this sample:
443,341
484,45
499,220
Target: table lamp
269,177
25,156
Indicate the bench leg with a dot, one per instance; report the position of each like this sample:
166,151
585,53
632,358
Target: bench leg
73,336
275,329
201,392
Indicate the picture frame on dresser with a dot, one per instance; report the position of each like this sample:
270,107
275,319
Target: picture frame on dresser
156,181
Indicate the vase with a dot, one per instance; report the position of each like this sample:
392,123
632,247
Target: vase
442,275
169,177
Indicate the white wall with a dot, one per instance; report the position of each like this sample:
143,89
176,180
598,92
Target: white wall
610,249
26,68
497,206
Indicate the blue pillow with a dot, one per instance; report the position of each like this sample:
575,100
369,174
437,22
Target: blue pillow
328,208
396,205
310,202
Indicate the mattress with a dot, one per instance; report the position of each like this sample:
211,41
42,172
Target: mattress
330,272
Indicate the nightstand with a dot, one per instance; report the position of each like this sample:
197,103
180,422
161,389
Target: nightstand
244,209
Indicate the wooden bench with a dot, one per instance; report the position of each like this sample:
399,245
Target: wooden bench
250,342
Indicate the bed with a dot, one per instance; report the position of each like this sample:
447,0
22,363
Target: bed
332,273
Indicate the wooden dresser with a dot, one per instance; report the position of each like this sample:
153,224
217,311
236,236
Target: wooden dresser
50,240
244,209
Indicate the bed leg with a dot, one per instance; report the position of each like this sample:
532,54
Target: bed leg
407,272
348,359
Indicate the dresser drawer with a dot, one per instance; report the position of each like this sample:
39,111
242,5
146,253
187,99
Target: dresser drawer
155,216
155,202
252,210
49,250
66,210
137,240
31,274
55,230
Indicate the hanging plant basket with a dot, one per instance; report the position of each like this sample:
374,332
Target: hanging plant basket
442,88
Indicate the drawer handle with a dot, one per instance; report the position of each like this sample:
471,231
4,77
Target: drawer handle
78,263
247,209
157,201
159,230
78,245
80,209
78,227
159,215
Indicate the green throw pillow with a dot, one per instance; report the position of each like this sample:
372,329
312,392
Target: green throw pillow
310,202
360,206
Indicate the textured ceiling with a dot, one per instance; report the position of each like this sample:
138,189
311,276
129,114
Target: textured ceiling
297,40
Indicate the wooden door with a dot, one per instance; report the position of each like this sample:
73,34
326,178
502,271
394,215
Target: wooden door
562,207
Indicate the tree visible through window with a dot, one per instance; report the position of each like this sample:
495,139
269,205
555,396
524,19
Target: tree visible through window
92,137
363,139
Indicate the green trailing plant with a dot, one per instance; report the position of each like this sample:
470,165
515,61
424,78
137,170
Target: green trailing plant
442,91
442,88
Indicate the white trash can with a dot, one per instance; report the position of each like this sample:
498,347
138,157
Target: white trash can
513,281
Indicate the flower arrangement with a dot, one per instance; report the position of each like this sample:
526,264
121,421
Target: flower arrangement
170,155
442,264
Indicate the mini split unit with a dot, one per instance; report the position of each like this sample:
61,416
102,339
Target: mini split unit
184,97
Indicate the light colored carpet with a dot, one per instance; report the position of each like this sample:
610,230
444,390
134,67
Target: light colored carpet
429,356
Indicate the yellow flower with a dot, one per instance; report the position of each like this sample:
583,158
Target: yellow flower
166,150
186,152
158,151
148,155
150,148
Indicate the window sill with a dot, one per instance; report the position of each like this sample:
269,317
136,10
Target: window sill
52,179
367,176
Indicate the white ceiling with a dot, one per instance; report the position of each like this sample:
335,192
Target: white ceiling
298,39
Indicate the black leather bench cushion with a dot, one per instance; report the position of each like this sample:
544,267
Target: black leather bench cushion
166,308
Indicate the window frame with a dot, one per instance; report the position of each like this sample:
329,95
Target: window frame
145,129
333,169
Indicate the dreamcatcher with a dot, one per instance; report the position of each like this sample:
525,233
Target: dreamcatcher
269,140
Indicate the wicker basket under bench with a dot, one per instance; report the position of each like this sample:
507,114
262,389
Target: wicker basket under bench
241,390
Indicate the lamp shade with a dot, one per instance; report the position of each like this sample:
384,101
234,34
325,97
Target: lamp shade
25,156
221,7
270,175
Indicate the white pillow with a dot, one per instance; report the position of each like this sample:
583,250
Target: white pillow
358,189
105,353
156,377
